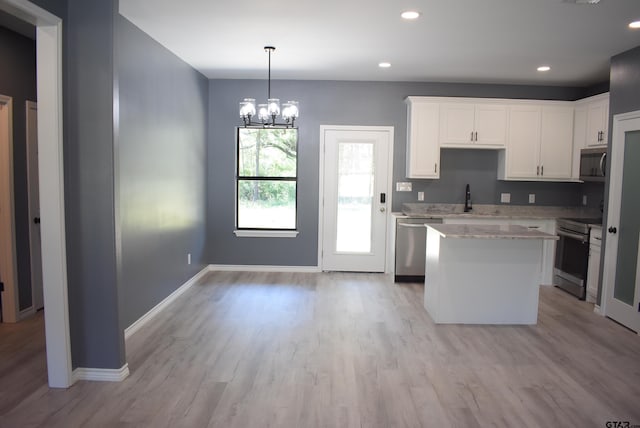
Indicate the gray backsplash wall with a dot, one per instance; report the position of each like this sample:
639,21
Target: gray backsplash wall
352,103
18,80
459,167
161,170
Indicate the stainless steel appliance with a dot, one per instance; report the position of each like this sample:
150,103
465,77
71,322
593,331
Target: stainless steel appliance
411,244
593,164
572,254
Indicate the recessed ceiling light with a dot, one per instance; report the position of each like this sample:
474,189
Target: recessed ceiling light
634,24
384,64
544,68
410,14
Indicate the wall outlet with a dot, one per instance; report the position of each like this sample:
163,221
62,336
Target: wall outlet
188,258
421,196
403,186
505,198
532,198
584,200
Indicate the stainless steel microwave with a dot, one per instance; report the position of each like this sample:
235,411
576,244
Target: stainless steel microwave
593,164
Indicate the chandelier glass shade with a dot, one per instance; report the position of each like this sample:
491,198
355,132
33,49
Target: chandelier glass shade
268,114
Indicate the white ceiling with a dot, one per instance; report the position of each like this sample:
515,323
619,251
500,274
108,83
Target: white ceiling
475,41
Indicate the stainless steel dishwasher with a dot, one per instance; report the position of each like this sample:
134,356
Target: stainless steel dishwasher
411,244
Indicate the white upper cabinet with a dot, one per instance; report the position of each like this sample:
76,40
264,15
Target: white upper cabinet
590,127
523,151
579,138
556,143
597,121
423,151
465,124
540,143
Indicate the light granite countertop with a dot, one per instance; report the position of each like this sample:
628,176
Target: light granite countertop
423,210
473,231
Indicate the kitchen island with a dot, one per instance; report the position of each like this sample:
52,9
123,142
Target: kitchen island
483,274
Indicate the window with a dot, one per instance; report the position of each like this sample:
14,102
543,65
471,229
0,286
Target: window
266,181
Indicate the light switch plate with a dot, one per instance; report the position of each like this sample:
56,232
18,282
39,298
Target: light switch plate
403,186
532,198
421,196
505,198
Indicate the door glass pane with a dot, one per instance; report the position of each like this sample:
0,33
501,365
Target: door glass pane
629,221
355,197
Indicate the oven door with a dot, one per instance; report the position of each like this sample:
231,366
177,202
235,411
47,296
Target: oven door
572,258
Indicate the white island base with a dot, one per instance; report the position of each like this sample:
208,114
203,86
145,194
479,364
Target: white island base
478,277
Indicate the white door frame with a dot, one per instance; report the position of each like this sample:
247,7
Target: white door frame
616,157
50,165
389,187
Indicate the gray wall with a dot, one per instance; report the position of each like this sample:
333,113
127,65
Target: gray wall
161,148
352,103
111,242
18,80
97,339
624,96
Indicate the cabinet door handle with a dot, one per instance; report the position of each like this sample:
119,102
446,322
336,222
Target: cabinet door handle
471,135
476,136
435,167
538,170
542,170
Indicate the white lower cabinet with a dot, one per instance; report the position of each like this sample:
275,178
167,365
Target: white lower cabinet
593,269
546,226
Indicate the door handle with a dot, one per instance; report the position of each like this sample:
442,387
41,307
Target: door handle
36,220
383,198
612,229
382,209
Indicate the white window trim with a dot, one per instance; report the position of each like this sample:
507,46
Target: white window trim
266,233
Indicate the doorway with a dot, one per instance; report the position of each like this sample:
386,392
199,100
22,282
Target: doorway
355,197
35,243
621,281
51,184
8,264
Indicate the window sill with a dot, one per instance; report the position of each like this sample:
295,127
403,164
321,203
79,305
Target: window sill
266,233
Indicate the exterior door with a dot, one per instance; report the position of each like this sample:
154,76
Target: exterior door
622,279
356,194
34,205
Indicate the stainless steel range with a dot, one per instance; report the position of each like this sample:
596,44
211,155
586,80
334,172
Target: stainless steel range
572,254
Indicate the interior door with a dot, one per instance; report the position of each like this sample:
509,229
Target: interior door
34,205
355,198
622,279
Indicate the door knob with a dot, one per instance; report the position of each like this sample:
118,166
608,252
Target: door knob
36,220
612,229
382,209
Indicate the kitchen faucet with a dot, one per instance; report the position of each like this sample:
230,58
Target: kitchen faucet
467,200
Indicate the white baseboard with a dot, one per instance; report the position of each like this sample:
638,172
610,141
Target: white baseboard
101,375
137,325
264,268
26,313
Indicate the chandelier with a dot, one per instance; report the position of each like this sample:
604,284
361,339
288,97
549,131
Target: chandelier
269,112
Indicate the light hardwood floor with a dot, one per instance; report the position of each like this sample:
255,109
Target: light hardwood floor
337,350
